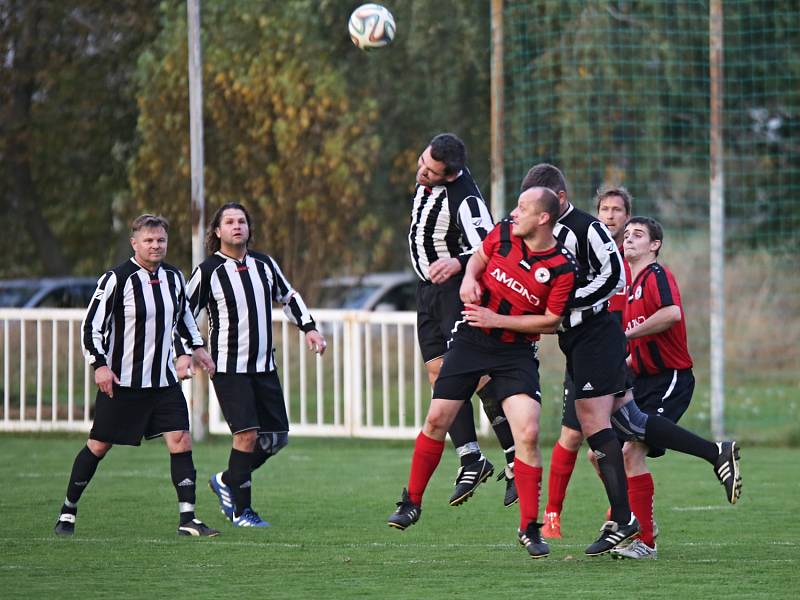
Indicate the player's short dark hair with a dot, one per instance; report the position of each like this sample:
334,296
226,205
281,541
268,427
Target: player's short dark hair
449,149
654,228
604,191
148,221
544,175
212,241
548,202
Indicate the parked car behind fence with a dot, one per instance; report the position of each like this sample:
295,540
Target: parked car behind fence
389,291
48,292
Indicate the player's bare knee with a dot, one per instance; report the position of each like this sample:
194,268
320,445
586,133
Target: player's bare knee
527,437
437,422
178,441
98,448
634,455
570,439
245,441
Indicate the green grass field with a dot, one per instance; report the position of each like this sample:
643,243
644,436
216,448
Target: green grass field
328,501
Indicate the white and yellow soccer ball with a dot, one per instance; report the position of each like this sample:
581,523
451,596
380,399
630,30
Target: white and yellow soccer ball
371,26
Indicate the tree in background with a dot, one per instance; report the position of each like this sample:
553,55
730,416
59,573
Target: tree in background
433,78
66,124
281,135
321,139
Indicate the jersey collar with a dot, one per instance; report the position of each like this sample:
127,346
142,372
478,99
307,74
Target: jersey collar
134,261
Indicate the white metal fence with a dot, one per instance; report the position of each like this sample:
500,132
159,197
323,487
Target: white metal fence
371,382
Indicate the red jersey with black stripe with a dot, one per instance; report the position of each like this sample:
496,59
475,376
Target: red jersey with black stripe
616,304
654,288
520,282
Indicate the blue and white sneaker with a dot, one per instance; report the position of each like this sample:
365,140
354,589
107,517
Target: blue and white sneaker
224,495
249,518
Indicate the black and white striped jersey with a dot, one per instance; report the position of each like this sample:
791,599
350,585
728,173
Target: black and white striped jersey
601,273
238,296
136,323
447,221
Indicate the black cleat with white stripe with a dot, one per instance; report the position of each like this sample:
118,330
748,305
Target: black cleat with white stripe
612,535
196,528
469,478
532,540
407,513
727,470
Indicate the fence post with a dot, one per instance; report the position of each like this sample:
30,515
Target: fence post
717,223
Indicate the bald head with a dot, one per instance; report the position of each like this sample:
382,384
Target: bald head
536,213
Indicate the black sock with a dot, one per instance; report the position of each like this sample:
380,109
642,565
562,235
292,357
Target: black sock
83,469
510,454
184,476
663,433
608,451
464,436
238,479
502,430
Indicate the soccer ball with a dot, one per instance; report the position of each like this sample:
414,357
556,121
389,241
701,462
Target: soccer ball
371,26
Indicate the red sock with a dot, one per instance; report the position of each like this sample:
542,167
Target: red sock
562,463
640,496
529,488
427,454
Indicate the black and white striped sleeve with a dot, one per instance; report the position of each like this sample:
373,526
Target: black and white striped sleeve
606,263
293,305
187,334
475,223
196,291
98,320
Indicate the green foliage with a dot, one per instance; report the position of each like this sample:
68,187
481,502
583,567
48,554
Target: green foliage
433,78
66,126
320,139
328,500
281,135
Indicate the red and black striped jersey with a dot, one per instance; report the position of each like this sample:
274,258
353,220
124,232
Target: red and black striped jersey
654,288
520,282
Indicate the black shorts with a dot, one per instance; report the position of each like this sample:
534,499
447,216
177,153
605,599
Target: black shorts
569,416
667,395
251,401
134,413
514,368
438,309
595,353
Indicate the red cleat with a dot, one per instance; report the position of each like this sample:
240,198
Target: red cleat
552,525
